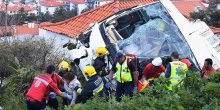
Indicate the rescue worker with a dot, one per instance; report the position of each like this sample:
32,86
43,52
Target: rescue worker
93,86
64,67
176,70
153,69
40,88
207,68
99,62
52,100
100,67
190,65
126,76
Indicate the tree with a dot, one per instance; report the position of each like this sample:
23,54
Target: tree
21,17
45,17
60,14
23,1
71,14
32,17
85,10
210,16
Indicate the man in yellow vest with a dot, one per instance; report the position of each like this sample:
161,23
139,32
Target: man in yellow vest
176,70
126,76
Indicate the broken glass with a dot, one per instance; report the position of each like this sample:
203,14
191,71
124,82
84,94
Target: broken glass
158,36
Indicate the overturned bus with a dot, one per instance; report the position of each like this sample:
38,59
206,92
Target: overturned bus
154,30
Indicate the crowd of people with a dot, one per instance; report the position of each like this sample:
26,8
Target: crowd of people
45,87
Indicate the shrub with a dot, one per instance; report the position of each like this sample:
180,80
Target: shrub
35,52
192,94
17,85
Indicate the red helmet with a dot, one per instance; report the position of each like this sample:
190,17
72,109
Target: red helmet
186,61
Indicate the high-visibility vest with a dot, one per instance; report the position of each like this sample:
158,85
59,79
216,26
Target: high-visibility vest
123,73
178,72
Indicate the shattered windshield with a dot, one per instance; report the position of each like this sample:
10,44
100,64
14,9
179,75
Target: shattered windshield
153,34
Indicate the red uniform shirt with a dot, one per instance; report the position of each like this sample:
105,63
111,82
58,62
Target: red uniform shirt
41,87
207,73
56,79
150,71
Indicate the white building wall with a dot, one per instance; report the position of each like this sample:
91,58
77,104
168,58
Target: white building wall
81,7
44,9
60,40
104,2
32,12
72,6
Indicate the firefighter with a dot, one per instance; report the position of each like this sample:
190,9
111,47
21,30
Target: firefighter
100,67
175,70
40,88
99,63
64,67
93,86
126,76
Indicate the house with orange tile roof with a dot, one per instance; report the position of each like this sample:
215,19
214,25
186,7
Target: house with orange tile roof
50,6
97,3
189,6
20,30
14,7
78,5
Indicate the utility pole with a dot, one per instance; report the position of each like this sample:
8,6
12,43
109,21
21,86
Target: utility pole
6,17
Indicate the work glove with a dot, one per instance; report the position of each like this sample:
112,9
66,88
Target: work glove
70,97
107,85
52,95
74,87
135,88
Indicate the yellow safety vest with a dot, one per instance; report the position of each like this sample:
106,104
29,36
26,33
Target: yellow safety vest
123,73
178,72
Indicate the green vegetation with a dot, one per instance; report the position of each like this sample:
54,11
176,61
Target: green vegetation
20,68
192,94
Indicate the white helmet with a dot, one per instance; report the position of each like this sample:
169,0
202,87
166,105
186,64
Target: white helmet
157,61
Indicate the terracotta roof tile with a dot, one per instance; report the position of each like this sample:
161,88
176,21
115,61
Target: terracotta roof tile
77,1
16,6
187,6
21,30
52,3
74,26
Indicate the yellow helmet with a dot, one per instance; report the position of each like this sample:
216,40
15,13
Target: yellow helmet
64,65
89,71
101,51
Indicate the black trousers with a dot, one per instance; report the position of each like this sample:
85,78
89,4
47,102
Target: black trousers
53,103
35,105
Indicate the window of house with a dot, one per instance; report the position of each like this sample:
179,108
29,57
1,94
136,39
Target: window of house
97,3
218,6
197,9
